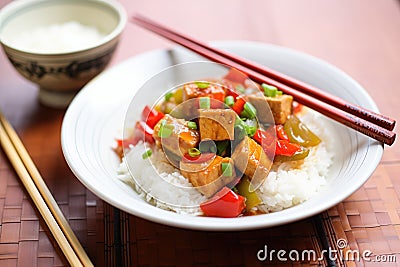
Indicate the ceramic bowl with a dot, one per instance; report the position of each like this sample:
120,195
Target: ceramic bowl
60,75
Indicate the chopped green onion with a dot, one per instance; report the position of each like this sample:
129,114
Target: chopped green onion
244,114
226,169
229,101
279,92
250,110
250,130
202,85
238,120
193,152
240,88
168,96
147,154
269,90
204,102
192,125
165,130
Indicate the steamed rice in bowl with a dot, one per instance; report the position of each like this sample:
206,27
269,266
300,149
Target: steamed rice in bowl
161,183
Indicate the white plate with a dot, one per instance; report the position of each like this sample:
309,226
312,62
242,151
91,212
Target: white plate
96,117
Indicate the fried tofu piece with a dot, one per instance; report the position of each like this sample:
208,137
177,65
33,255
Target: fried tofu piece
250,158
207,177
281,107
217,124
192,91
181,139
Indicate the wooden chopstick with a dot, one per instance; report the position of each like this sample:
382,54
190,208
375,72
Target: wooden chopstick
368,128
41,195
368,115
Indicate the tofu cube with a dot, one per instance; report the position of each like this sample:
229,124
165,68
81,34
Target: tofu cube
281,107
217,124
207,177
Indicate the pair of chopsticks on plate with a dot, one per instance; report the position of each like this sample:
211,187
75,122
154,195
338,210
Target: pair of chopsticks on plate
41,196
362,120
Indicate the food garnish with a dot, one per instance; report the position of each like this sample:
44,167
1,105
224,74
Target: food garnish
147,154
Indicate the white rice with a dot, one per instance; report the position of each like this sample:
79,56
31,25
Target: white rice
158,182
57,38
288,184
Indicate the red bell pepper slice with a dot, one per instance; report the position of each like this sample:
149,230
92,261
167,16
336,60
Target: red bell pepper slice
122,143
282,144
236,76
267,141
263,137
280,132
216,95
203,157
151,116
239,105
296,107
232,92
285,148
142,132
217,99
224,203
259,136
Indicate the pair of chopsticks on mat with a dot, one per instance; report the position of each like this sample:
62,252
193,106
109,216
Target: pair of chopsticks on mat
41,196
362,120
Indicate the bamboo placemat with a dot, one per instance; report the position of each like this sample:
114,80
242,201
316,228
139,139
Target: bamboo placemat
150,244
367,222
25,239
369,219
